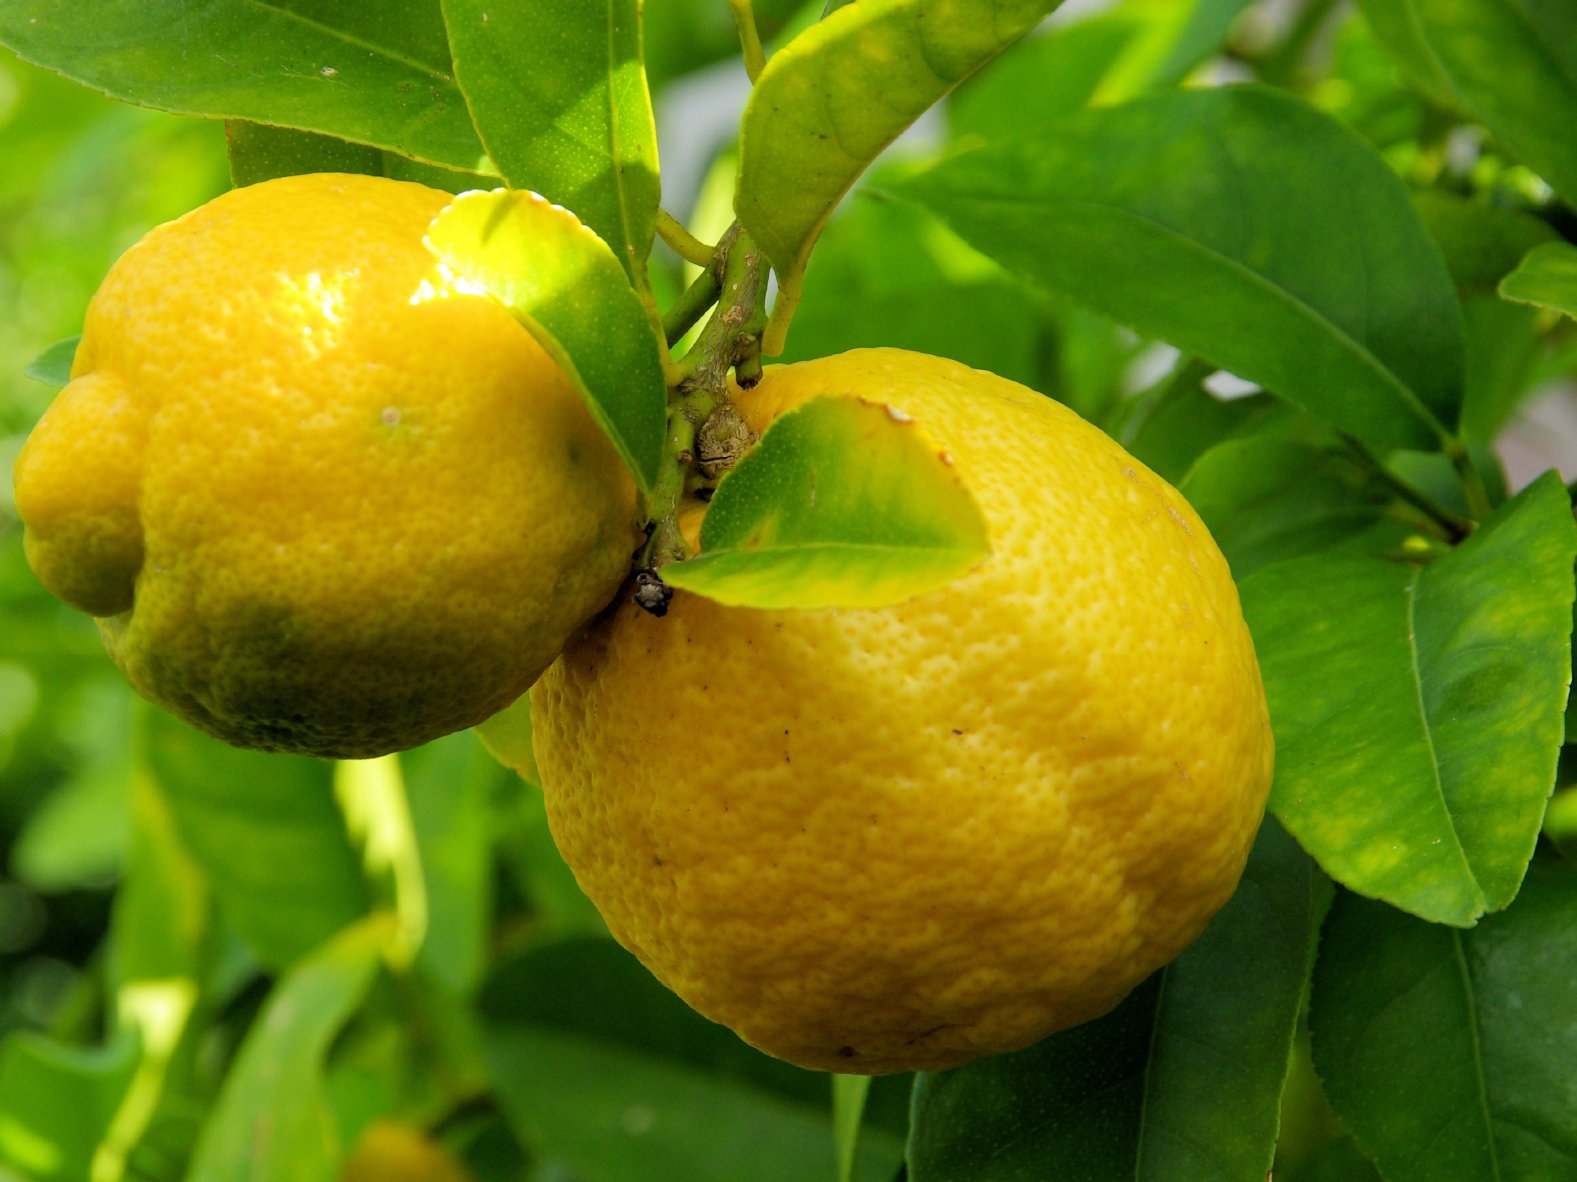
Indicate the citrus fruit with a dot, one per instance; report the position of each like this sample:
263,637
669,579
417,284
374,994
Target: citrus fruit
390,1152
895,839
319,501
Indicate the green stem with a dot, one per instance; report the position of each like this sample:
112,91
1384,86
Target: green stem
683,243
693,304
730,340
749,38
1472,483
1456,528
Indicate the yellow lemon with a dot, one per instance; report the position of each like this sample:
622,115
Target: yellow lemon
900,838
319,502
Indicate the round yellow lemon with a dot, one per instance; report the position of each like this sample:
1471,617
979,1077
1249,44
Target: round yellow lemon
897,839
320,502
391,1152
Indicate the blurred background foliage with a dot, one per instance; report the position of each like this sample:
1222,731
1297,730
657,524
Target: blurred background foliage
151,891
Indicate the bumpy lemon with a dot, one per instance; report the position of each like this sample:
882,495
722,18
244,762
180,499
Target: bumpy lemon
319,503
896,839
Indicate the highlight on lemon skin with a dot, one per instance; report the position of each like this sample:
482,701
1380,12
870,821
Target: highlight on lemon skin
312,512
900,838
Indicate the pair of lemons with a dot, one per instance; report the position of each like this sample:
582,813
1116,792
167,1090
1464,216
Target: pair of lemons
317,512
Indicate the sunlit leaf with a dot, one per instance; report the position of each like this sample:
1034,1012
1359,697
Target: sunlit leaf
843,503
1547,277
839,93
507,738
57,1103
1447,1053
1184,216
1183,1080
1419,711
559,97
271,1122
376,75
564,284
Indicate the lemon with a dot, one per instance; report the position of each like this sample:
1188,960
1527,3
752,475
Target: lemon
895,839
392,1152
320,502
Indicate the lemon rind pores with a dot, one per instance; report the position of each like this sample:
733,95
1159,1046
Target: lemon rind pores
313,512
898,839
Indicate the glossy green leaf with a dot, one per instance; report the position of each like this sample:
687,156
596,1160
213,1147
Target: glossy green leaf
271,1122
1418,724
559,96
829,102
1546,277
53,365
599,1066
268,834
1182,1080
1268,500
258,153
1186,216
887,273
1448,1054
565,286
1514,64
843,503
1481,243
58,1102
376,75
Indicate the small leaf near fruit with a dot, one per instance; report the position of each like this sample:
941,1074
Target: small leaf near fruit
843,503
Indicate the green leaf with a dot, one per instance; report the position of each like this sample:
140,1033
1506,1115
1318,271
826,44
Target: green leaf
1182,1080
829,102
848,1107
1506,347
559,96
376,75
258,153
1481,243
1395,25
53,365
1186,216
448,790
1176,421
58,1102
598,1065
1447,1053
1546,277
887,273
1266,500
684,35
507,737
565,286
267,832
1514,64
1171,39
271,1122
843,503
1418,725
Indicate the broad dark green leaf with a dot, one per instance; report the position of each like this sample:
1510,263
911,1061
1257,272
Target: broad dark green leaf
1187,216
1506,347
835,96
1267,500
1181,1081
448,790
843,503
1448,1054
271,1122
372,74
267,832
53,365
258,153
1481,243
1546,277
887,273
58,1103
1335,1161
598,1065
1418,711
1514,65
1172,424
565,285
1039,80
559,96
